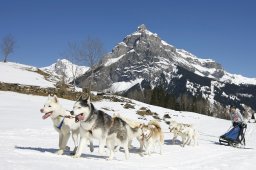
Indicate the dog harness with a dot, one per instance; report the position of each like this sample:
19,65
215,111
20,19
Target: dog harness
67,116
61,123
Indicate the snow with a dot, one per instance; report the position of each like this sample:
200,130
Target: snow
22,74
113,60
123,85
212,94
186,54
192,87
165,43
150,33
245,95
28,142
199,73
238,79
224,94
138,33
66,68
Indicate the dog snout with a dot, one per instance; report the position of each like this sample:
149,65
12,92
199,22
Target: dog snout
76,118
41,110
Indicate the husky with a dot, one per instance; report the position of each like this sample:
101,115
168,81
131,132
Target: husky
137,135
175,128
63,122
187,132
99,125
152,134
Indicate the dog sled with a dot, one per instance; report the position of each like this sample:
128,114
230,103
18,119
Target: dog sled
235,136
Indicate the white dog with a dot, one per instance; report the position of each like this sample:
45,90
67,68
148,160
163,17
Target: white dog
151,135
186,131
63,122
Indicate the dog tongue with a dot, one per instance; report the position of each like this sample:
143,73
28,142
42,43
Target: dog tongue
46,115
79,117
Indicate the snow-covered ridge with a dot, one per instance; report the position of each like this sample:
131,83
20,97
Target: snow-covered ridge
113,60
237,79
208,67
22,74
64,67
123,86
185,54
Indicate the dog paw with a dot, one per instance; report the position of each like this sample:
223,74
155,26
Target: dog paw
67,148
141,154
117,149
101,152
59,152
109,159
72,153
127,157
76,156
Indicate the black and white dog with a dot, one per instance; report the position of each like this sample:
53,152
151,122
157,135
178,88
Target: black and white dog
99,125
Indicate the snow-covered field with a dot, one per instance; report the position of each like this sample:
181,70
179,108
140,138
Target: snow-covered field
28,142
22,74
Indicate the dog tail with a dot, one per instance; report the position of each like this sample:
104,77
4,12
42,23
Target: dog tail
130,122
156,124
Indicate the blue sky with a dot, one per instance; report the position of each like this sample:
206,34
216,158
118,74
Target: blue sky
223,30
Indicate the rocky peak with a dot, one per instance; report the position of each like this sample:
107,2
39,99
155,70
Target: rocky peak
143,66
142,28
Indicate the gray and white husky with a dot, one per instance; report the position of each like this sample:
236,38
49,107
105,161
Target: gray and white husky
99,125
63,122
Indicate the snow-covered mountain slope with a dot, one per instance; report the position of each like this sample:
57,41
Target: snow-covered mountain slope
146,68
22,74
211,69
28,142
64,67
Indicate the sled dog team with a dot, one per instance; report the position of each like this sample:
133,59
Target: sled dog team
114,132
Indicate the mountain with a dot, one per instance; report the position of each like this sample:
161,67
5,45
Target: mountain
63,68
146,68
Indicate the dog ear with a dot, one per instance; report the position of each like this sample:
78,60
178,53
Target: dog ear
88,99
55,99
80,98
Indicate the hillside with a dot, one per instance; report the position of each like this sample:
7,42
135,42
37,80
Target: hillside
31,143
23,74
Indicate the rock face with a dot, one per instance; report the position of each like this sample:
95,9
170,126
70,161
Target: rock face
148,69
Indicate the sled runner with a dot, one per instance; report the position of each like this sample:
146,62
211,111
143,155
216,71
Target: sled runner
235,136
